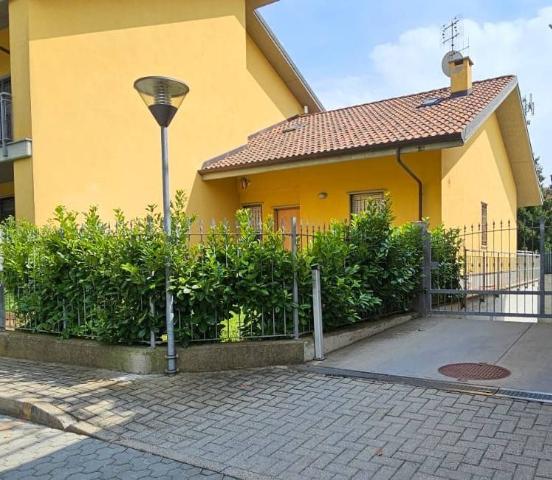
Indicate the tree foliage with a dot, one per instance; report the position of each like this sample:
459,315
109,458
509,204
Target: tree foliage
528,218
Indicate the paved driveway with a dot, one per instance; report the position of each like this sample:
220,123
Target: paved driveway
420,347
33,452
291,425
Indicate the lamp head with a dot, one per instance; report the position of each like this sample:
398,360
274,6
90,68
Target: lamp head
162,95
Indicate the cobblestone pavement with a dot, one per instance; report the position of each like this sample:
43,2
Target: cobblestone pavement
32,452
290,424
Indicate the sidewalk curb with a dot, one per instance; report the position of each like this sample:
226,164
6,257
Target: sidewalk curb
36,411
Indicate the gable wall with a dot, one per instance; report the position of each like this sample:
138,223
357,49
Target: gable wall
478,172
94,142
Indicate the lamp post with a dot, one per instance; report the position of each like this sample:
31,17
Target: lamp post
163,96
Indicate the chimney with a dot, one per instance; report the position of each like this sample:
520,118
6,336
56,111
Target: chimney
460,76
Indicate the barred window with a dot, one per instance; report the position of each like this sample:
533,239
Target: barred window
5,84
484,224
359,201
5,88
255,216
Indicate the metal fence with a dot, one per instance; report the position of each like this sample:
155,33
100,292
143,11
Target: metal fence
256,320
233,320
495,278
286,311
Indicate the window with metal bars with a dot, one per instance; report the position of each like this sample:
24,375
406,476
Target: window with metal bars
255,216
484,225
6,130
360,200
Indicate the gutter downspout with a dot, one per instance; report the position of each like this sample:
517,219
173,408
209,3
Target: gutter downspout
407,169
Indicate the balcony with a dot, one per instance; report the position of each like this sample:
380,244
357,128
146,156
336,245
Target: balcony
11,149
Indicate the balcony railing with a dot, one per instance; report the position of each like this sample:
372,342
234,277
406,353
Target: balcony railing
6,126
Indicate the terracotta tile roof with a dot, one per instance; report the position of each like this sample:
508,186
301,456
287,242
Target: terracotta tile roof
372,126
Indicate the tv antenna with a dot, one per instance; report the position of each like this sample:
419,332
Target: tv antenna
450,36
528,107
450,32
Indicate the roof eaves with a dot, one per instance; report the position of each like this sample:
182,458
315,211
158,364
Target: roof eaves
486,112
529,149
535,173
441,141
303,88
211,161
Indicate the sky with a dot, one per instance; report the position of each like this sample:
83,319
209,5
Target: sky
357,51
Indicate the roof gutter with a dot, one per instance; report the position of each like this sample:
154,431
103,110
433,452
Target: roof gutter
241,170
408,170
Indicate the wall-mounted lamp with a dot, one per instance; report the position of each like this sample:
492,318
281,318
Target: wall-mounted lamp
323,195
244,183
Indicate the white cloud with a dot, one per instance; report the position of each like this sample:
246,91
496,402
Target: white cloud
412,63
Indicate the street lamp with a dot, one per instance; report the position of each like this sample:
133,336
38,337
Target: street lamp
163,96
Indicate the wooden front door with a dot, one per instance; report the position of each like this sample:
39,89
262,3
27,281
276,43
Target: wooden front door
282,219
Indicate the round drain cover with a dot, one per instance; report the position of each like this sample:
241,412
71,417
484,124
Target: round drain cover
474,371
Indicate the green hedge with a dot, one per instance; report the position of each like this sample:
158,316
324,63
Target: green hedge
87,278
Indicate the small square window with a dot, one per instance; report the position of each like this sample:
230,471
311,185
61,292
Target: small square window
359,201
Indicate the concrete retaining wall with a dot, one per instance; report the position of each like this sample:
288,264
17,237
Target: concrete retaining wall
196,358
144,360
86,353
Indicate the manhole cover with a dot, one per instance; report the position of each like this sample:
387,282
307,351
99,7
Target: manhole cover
474,371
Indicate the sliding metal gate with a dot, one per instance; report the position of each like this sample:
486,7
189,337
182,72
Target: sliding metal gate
502,272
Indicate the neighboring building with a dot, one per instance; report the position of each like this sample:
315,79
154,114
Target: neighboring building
81,135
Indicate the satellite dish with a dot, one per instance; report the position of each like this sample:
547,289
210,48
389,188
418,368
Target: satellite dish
451,56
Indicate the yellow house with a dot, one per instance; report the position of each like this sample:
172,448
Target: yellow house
458,156
75,132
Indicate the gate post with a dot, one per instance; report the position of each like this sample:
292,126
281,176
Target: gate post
423,306
295,285
2,309
317,314
542,298
2,292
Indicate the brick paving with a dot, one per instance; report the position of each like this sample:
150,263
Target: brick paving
33,452
289,424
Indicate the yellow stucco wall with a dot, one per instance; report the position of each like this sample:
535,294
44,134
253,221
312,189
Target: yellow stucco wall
94,142
479,172
301,186
21,105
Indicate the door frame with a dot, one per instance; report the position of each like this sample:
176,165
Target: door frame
283,207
